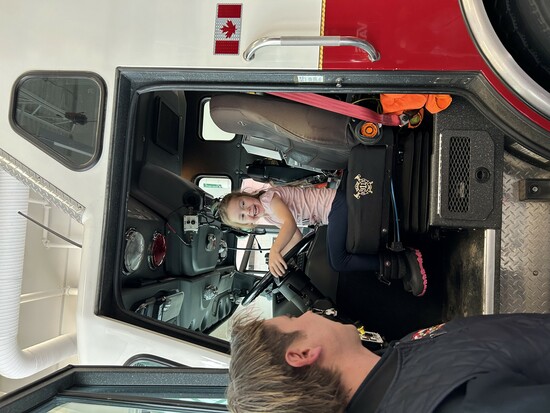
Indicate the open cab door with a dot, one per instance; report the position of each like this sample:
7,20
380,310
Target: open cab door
122,389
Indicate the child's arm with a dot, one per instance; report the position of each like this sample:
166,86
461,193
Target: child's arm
294,240
288,236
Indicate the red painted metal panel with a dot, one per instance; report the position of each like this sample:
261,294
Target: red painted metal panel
422,35
426,35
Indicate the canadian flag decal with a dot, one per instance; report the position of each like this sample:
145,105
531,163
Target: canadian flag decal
227,32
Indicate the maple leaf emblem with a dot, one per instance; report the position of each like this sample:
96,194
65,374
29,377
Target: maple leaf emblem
229,29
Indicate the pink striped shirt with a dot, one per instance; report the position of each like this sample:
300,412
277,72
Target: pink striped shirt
309,206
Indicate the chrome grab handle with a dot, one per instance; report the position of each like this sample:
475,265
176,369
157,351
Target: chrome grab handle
373,54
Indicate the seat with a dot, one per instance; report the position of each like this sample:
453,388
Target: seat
316,138
322,139
387,190
309,136
368,196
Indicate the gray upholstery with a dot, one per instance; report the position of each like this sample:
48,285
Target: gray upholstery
308,135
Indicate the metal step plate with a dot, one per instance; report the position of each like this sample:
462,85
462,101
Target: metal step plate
525,243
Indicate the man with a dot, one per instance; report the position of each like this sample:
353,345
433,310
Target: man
311,364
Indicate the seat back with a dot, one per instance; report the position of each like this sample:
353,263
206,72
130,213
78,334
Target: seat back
371,171
369,198
307,135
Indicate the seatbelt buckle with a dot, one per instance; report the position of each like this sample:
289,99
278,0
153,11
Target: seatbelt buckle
396,246
369,336
330,312
404,119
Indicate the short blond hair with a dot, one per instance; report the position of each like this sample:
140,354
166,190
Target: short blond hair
260,379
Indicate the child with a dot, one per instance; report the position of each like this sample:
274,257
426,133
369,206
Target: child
287,207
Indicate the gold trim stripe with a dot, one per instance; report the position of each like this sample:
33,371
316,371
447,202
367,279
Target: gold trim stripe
321,49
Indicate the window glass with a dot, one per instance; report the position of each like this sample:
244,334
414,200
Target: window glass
210,131
106,407
62,115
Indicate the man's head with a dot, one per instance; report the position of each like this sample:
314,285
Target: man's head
281,365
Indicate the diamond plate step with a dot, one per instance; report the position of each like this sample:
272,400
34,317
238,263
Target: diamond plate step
525,244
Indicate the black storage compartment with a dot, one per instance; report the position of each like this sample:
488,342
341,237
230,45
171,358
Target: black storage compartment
466,169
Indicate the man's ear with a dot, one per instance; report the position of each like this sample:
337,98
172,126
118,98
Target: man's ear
300,357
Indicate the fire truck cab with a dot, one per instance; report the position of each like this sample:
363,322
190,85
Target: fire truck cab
124,123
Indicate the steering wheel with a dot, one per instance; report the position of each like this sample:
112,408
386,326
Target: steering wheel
268,278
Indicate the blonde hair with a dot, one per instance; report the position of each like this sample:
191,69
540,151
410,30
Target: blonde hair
224,205
260,379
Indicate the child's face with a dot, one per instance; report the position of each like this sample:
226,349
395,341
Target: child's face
245,210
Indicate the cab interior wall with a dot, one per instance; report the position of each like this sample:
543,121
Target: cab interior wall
385,309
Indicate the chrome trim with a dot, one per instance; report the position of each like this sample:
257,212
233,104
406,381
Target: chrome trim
489,272
39,185
250,51
439,175
500,60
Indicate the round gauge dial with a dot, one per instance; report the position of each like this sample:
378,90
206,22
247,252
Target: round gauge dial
134,250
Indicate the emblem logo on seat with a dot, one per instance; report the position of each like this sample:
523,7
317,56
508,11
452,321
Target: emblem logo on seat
362,186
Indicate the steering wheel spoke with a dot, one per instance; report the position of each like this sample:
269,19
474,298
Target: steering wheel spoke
269,278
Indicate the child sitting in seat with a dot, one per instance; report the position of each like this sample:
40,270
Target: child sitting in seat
287,207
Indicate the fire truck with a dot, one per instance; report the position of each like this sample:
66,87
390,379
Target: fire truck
124,122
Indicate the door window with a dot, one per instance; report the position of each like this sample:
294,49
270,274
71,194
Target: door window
209,130
62,114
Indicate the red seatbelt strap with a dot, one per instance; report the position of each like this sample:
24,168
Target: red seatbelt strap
343,108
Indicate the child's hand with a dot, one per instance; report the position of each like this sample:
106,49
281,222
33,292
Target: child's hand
277,265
